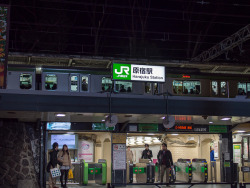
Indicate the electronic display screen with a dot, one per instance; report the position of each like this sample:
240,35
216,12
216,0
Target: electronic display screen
58,125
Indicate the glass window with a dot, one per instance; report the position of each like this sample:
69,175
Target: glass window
156,88
85,83
186,87
223,88
74,83
25,81
242,88
248,87
50,82
215,88
106,84
123,86
147,87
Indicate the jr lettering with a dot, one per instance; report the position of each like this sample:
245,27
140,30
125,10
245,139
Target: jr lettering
123,68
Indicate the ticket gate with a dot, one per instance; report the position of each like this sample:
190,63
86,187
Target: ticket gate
183,170
200,170
94,171
147,172
172,173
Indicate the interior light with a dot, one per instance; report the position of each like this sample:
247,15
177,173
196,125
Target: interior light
210,122
103,119
60,115
148,138
225,119
156,141
174,134
163,117
240,131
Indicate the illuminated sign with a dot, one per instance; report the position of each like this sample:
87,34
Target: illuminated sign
144,73
58,125
186,76
183,118
183,127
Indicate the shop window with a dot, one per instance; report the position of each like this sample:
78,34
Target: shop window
186,87
123,87
223,88
50,82
215,88
242,88
74,83
25,81
147,87
106,84
85,83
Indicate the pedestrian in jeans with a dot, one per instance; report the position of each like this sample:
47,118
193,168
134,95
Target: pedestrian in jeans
165,163
53,162
65,159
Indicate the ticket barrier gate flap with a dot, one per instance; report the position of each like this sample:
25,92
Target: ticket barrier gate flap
148,171
183,170
200,170
101,173
85,173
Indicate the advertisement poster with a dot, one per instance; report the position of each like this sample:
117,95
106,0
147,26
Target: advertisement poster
245,151
216,150
68,139
4,14
237,153
119,156
86,150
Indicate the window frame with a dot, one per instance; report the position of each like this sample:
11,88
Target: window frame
53,84
30,83
182,88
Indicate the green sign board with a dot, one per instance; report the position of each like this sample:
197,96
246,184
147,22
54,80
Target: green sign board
121,71
132,72
226,164
218,128
101,127
143,127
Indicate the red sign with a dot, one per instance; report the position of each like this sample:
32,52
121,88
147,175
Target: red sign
186,76
183,127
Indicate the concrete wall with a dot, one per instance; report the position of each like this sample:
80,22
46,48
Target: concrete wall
17,159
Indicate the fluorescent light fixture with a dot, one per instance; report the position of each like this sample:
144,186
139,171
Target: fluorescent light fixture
210,122
225,119
103,119
156,141
240,131
174,134
148,138
60,115
139,139
147,142
163,117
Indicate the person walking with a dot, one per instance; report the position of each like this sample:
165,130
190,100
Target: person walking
166,162
65,159
130,155
147,153
53,162
159,159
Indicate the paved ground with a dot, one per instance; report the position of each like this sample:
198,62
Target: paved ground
152,186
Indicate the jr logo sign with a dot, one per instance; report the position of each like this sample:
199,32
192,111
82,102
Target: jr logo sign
122,71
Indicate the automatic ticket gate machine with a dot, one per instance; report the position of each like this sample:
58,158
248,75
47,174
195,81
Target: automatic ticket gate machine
183,170
200,170
148,170
95,171
172,173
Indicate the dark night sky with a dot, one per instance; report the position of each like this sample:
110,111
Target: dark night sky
168,29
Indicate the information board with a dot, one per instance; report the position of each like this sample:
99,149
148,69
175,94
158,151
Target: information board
245,146
237,153
119,156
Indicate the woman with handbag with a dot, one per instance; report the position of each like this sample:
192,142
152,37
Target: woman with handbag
52,164
65,159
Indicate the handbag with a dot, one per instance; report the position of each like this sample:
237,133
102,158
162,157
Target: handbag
70,174
55,172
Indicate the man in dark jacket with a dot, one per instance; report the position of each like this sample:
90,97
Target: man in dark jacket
53,162
147,153
165,161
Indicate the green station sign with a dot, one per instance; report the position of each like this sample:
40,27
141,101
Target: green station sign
218,128
101,127
132,72
144,127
